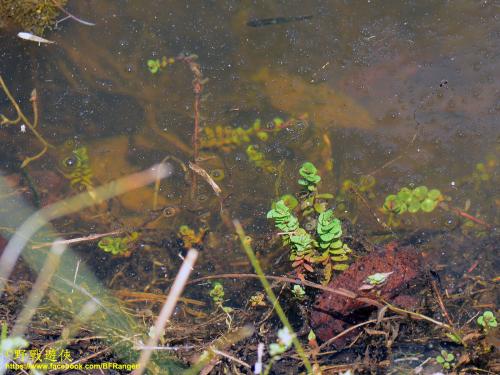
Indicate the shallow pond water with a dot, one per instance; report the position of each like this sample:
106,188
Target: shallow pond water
404,92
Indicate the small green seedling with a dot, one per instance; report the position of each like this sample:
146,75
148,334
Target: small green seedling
375,280
487,320
298,292
217,294
309,179
378,278
445,359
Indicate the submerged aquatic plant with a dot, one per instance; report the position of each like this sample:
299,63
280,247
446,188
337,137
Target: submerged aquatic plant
118,245
227,138
217,294
77,169
318,244
190,238
156,65
412,201
259,160
309,176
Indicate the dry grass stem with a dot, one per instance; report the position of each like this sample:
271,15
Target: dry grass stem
167,309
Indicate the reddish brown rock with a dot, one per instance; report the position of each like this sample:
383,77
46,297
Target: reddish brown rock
333,313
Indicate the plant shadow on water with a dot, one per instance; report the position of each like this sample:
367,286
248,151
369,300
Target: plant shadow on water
394,109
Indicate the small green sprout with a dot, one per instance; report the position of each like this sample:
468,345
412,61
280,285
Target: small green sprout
378,278
284,343
217,294
309,177
298,292
487,320
445,359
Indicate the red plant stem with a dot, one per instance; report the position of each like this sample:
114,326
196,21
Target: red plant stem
197,93
197,89
459,212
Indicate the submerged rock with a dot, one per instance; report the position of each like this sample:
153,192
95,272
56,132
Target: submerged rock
333,313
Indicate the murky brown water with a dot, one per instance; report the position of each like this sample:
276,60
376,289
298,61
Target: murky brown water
406,92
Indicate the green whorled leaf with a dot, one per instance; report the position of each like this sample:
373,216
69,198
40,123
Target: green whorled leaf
314,178
391,203
311,188
420,192
324,245
301,239
428,205
404,194
340,267
327,237
280,210
307,168
338,251
326,217
337,245
303,182
434,194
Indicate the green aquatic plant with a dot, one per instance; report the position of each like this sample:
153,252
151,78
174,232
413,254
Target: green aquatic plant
309,179
298,292
487,320
217,293
156,65
283,217
190,238
413,201
77,169
228,138
311,245
445,359
118,245
259,160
